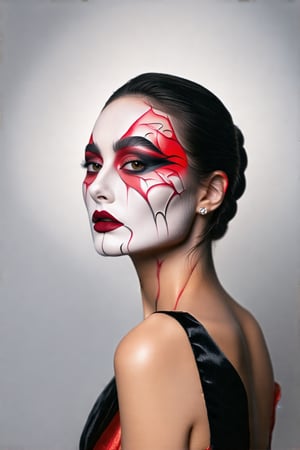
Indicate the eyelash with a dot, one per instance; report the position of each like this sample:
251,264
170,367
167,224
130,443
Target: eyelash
86,164
155,162
132,161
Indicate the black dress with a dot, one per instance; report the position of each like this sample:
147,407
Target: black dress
224,393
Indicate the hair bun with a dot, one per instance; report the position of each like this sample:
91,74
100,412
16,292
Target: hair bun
241,180
228,209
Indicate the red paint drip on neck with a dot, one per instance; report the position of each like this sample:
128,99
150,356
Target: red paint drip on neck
158,268
183,288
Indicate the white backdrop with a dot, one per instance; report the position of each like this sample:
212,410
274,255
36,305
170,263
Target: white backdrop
63,308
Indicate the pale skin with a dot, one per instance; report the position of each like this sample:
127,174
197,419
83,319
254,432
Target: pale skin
159,391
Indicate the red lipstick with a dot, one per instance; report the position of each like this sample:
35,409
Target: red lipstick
105,222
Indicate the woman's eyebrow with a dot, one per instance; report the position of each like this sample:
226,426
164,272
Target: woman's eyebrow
92,148
135,141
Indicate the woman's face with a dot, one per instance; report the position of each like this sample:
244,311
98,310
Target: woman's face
138,188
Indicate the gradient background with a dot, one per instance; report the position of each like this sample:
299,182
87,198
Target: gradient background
64,308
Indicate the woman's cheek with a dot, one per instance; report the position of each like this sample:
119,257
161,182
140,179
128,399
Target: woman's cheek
89,179
155,181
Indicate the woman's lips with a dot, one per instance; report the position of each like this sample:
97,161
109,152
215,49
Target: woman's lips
105,222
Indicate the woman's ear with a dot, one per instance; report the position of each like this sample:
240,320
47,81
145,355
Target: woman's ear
212,192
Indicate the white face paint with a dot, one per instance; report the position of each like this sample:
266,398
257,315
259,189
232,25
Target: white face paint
138,189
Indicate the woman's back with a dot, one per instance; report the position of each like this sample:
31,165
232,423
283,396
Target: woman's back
257,374
239,337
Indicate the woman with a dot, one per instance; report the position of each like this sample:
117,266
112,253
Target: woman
165,167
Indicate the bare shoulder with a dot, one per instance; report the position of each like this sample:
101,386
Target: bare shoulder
158,384
155,341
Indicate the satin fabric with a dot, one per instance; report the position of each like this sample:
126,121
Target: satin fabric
224,393
111,437
101,415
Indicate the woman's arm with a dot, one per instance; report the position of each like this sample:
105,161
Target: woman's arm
159,390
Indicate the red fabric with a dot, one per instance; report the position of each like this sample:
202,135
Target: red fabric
277,395
111,437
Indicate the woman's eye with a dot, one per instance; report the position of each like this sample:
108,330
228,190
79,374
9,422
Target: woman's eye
134,166
93,166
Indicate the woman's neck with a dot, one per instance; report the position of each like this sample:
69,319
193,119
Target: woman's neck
170,280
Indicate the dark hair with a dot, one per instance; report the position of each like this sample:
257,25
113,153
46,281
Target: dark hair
206,131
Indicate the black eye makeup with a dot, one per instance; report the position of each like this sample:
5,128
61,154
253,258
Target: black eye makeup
140,162
93,161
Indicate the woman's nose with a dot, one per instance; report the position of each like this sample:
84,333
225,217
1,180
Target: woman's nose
101,189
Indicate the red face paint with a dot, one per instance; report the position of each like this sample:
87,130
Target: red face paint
171,161
93,162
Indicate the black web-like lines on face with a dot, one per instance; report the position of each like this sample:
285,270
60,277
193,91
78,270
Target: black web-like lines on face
163,214
158,126
128,243
155,217
102,246
121,245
